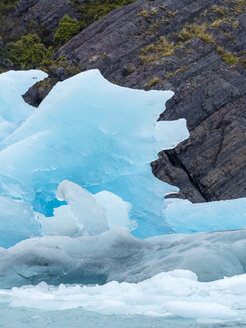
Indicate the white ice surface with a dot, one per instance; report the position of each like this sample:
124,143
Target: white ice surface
174,293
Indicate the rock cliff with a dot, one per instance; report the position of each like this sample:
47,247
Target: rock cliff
197,49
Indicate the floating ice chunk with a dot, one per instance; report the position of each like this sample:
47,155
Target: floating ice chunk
174,293
101,137
186,217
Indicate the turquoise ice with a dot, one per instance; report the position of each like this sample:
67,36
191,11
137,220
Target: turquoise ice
92,133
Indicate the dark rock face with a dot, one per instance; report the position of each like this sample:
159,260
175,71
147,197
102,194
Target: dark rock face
46,13
204,63
196,48
210,165
36,15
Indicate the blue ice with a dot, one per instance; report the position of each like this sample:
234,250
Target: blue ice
100,138
92,133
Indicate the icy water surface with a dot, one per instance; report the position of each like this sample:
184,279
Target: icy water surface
78,318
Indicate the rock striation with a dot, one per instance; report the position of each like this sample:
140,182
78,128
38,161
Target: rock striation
196,48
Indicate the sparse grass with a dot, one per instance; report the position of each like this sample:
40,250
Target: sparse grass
145,13
163,7
204,13
171,14
227,56
239,6
219,9
196,30
230,37
94,58
242,61
131,69
153,81
179,70
153,26
189,51
225,16
160,49
200,31
230,58
216,23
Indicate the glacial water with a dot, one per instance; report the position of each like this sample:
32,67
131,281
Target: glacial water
79,318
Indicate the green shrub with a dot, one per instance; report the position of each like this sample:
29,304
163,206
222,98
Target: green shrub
6,6
93,10
67,29
28,51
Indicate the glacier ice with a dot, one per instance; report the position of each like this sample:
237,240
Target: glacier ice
97,135
102,138
117,255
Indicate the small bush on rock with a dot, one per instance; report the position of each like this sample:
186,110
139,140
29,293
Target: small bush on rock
28,51
67,29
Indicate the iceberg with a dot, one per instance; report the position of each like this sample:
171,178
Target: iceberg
97,135
94,141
